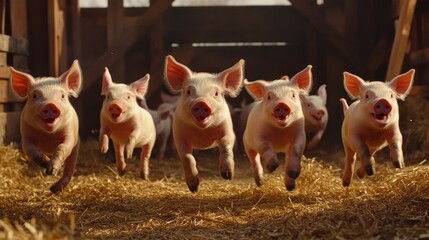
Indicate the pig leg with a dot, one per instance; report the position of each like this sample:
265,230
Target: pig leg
103,141
57,160
349,166
120,160
162,147
316,138
367,161
226,157
255,161
189,164
33,152
129,148
270,158
396,155
69,167
144,161
293,165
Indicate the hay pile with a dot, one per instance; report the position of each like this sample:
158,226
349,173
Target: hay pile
100,205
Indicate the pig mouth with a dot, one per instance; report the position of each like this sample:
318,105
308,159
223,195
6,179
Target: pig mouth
317,118
115,116
380,118
202,121
281,119
50,122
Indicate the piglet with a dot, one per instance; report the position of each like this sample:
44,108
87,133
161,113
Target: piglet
202,119
49,124
372,122
315,114
125,122
276,124
162,118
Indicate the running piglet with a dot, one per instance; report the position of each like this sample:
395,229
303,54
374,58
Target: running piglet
372,122
276,124
125,122
202,119
49,124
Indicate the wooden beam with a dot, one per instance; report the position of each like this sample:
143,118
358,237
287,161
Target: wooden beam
57,37
400,43
121,45
15,45
115,28
18,18
2,16
76,32
314,16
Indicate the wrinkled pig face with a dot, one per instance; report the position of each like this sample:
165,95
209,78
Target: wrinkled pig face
117,102
281,103
49,102
314,109
203,98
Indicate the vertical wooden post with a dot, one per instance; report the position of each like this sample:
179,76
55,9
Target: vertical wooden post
400,42
115,23
18,21
156,55
2,16
57,37
76,32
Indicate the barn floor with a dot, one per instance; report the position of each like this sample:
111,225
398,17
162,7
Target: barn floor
100,205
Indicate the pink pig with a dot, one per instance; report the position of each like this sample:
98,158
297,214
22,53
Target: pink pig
126,123
372,122
49,123
162,117
202,119
315,114
276,124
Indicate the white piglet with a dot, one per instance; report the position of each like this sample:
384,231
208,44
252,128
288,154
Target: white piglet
49,123
372,122
126,123
202,119
276,124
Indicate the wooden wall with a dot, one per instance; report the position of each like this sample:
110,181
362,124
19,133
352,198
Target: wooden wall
351,35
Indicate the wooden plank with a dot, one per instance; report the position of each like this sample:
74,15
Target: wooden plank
57,38
2,16
233,24
115,16
9,127
18,18
419,57
6,93
19,62
76,29
11,106
16,45
3,59
400,41
121,45
328,32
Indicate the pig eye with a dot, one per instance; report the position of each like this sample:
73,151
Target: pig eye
34,96
293,95
188,92
367,96
216,93
269,97
63,96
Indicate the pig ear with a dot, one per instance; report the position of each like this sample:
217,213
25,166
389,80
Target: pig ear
321,92
140,86
353,84
73,79
303,79
106,82
285,77
402,84
232,78
21,82
175,73
256,89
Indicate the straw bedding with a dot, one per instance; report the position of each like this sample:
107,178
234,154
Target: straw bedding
98,204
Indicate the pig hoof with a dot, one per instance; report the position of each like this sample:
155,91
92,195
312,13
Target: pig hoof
360,173
193,184
290,186
398,165
226,175
258,181
56,188
293,174
144,176
121,172
369,170
272,165
346,183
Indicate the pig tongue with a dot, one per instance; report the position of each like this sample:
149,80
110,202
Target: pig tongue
380,117
115,116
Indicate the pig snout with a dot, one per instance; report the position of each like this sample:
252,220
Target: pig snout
201,112
49,114
115,111
281,113
381,110
318,116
